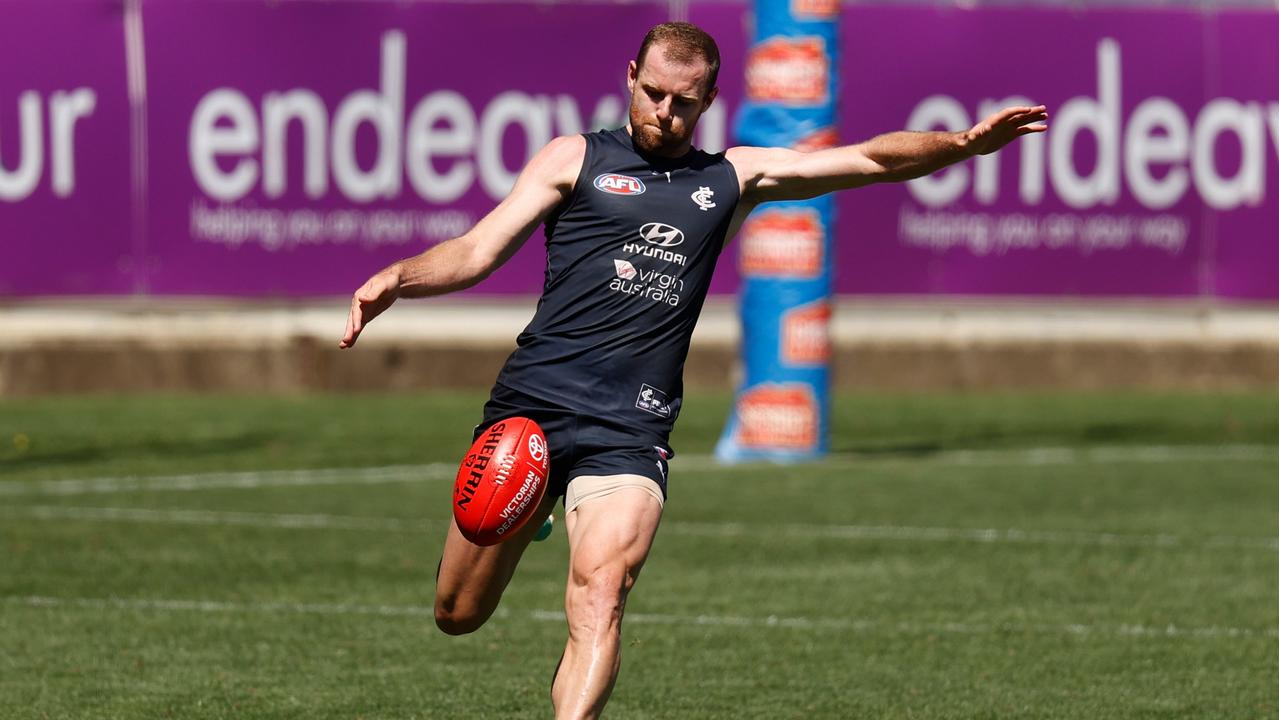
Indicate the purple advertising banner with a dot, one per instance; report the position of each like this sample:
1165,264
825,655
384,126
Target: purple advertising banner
66,213
1243,114
1102,204
291,149
303,146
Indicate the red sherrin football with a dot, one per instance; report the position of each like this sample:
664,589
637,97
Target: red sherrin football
501,481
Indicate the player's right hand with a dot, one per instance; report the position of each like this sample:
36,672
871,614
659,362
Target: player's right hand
1004,126
373,297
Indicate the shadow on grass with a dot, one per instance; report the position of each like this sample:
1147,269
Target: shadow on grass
152,448
1013,437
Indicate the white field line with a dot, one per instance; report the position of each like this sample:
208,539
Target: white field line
977,535
556,616
1144,454
728,529
216,517
1136,454
250,480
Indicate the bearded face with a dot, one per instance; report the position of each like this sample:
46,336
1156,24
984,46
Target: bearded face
667,98
652,140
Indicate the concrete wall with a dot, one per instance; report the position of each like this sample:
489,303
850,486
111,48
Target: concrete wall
123,346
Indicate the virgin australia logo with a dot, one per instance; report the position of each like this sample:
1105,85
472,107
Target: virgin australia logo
624,269
661,234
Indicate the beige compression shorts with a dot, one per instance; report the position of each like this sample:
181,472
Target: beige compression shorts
592,487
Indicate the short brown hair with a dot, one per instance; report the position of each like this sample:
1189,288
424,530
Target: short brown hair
684,43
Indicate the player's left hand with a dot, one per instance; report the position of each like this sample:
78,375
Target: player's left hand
371,300
1005,126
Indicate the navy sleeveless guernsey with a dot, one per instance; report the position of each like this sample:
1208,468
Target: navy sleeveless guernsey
629,257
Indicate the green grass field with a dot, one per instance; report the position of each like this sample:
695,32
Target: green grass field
1020,556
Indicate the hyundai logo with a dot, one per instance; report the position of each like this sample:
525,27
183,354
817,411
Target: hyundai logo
661,234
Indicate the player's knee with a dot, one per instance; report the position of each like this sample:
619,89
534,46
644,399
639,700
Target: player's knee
598,595
452,625
454,618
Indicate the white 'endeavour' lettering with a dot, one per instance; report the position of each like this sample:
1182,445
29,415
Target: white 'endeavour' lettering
441,143
1158,155
65,110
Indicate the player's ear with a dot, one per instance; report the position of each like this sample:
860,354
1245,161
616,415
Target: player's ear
710,98
631,71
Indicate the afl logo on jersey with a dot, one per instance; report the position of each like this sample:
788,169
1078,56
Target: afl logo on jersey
619,184
661,234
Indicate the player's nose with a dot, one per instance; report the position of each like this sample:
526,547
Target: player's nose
664,109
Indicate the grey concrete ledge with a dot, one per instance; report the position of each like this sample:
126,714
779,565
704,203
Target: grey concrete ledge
491,323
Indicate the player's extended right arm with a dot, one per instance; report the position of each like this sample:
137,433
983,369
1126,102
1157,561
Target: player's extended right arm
464,261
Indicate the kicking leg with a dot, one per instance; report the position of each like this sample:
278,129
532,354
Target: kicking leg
471,579
609,539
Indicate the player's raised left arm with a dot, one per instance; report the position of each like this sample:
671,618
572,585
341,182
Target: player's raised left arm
783,174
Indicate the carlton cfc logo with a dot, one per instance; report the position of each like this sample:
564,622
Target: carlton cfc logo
619,184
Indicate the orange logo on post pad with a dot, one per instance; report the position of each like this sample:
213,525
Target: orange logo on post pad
783,416
815,9
806,334
820,139
793,71
787,242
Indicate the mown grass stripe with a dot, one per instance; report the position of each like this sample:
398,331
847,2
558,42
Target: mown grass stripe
702,529
1152,454
769,621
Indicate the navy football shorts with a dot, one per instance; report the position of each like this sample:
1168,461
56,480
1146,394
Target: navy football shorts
581,444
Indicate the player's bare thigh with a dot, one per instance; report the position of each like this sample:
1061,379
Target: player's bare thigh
471,578
590,490
617,515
